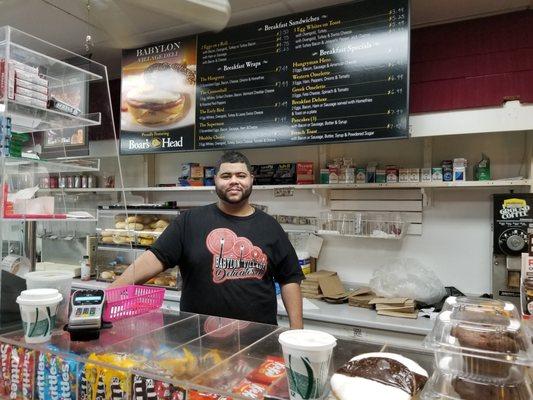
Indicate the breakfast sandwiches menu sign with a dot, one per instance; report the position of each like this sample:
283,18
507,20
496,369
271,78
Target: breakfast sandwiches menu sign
334,74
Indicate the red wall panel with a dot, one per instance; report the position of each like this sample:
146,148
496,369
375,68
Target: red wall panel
476,63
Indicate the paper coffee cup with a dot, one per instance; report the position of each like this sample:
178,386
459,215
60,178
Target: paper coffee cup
38,309
307,355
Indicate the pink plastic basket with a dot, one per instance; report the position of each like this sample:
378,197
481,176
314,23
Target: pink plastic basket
131,300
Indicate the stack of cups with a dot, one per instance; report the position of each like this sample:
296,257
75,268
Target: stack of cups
38,309
481,352
307,355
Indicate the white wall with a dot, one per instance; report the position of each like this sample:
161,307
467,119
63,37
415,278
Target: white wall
456,239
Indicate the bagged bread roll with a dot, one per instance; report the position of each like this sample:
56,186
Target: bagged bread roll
162,281
134,219
135,226
161,223
146,241
106,233
107,239
120,225
107,275
159,230
122,239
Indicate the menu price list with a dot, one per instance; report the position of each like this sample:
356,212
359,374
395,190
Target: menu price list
244,92
349,76
333,74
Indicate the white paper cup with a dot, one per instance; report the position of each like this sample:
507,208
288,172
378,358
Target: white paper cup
38,309
52,279
307,355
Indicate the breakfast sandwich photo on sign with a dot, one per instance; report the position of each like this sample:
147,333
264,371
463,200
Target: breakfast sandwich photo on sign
157,108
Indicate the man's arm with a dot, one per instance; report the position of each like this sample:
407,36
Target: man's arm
292,299
145,267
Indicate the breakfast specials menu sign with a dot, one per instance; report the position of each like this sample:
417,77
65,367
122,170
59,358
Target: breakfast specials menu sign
334,74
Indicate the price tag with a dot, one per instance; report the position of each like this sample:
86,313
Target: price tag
284,192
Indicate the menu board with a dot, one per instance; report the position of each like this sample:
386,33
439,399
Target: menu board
334,74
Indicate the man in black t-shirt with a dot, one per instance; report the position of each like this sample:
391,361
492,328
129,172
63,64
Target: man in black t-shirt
229,254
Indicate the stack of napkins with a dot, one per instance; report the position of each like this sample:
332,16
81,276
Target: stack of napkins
395,307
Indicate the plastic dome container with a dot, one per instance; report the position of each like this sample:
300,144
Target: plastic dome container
443,386
480,339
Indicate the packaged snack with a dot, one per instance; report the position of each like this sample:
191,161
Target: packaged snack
15,390
210,359
196,395
85,379
148,389
5,368
183,364
41,386
482,169
250,389
28,373
59,378
269,371
109,383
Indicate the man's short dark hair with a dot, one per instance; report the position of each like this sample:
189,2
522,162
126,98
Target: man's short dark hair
233,156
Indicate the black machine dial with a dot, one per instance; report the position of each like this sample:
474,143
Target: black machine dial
513,241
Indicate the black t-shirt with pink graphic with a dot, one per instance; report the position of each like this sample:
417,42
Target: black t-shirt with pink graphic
228,263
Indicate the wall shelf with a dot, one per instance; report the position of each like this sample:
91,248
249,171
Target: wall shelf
461,185
47,166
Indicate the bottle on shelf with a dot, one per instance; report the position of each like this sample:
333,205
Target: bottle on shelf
85,268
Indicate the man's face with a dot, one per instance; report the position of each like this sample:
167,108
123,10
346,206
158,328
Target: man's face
233,182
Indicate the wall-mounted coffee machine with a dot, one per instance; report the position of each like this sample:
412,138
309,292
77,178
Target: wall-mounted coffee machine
512,218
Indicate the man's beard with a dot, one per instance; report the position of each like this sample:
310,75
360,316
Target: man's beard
224,197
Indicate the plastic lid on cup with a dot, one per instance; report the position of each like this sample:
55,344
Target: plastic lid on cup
307,340
39,297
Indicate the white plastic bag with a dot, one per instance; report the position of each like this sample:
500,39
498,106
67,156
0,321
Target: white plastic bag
407,277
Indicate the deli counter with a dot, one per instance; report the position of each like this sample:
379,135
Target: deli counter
163,354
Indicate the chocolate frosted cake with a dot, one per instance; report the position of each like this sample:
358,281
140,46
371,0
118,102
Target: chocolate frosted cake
379,376
480,335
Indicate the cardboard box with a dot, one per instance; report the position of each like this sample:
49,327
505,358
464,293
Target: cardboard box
414,175
304,173
426,175
285,174
404,175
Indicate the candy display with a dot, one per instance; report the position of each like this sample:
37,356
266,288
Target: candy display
56,377
99,382
150,389
5,367
386,376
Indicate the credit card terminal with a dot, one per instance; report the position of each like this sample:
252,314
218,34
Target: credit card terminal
87,306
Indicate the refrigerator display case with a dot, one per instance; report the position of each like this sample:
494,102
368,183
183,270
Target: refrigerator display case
123,234
163,355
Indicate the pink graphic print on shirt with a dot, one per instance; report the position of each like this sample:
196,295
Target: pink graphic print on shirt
235,257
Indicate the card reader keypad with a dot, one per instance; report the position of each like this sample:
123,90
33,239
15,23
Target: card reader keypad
85,312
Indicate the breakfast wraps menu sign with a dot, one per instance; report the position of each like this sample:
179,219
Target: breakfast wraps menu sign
334,74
